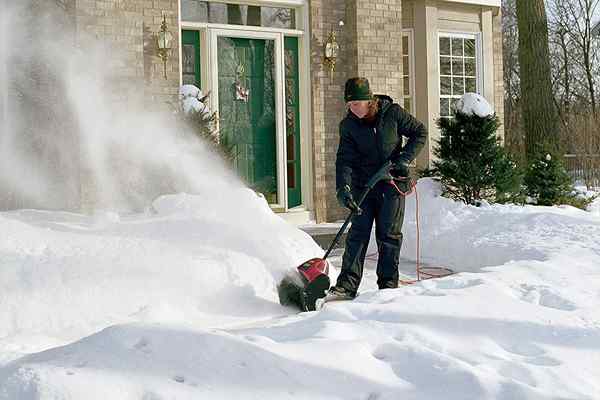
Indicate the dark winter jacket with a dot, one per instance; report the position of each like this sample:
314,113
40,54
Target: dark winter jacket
366,147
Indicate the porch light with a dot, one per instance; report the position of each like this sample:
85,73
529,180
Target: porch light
165,40
332,49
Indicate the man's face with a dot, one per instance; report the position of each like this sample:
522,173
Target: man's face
360,108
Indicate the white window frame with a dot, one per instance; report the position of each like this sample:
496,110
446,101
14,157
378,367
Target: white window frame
409,33
208,32
478,63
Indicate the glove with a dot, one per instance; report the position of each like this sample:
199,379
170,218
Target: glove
345,198
400,169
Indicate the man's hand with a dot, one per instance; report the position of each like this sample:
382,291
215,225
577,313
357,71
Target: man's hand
400,169
345,198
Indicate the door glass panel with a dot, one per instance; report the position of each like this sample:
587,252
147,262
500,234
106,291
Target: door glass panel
247,109
292,128
190,60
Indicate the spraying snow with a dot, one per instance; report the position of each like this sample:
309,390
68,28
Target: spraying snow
73,137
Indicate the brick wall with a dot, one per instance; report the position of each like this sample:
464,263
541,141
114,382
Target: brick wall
127,30
369,46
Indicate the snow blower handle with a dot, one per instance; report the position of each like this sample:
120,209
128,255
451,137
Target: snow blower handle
382,173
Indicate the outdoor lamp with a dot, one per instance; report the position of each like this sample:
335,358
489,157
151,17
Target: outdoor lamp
165,39
332,49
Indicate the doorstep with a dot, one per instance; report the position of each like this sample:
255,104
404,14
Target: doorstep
324,234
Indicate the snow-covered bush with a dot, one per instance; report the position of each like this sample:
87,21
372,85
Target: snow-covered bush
472,165
194,110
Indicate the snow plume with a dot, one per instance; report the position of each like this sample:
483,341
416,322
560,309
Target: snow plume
74,135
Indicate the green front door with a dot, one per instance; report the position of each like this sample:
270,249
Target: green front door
246,79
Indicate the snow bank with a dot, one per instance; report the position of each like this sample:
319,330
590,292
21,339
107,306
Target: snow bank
522,324
467,238
204,259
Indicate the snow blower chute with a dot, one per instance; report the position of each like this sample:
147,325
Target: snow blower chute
310,281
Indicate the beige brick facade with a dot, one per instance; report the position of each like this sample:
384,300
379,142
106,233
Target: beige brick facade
127,29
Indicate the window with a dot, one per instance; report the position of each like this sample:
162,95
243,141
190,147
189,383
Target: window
407,101
236,14
459,69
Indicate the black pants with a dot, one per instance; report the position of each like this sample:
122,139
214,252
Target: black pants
384,205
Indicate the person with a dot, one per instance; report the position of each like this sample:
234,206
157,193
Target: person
371,134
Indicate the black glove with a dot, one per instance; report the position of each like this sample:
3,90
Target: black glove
400,169
345,198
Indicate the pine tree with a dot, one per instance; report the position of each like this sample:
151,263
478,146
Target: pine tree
547,181
471,164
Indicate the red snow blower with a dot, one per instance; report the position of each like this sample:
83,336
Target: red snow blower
311,283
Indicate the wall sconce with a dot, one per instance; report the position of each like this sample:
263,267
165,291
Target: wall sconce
165,40
332,49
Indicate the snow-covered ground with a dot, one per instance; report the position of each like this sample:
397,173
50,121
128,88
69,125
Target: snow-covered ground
180,303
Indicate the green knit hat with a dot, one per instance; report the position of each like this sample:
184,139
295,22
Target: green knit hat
357,89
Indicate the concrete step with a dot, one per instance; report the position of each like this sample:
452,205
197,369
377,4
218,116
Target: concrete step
323,235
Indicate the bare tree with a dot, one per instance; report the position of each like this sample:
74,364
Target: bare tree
572,20
539,113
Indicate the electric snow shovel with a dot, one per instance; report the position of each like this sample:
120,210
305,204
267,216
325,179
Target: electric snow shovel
311,283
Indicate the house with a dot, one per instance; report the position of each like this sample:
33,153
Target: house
596,29
263,61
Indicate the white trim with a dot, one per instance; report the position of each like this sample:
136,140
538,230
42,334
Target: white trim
266,3
244,28
410,33
306,134
279,98
490,3
180,43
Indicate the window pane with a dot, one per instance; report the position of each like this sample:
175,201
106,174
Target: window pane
445,85
406,84
235,14
457,66
470,47
188,62
194,10
453,104
405,67
458,86
471,85
405,45
470,67
445,66
445,46
189,79
407,104
457,47
444,107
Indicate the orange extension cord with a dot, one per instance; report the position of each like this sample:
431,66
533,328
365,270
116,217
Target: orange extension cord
422,273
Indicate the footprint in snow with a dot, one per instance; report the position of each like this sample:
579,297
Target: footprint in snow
545,297
458,283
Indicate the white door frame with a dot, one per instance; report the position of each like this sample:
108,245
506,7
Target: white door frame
213,35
